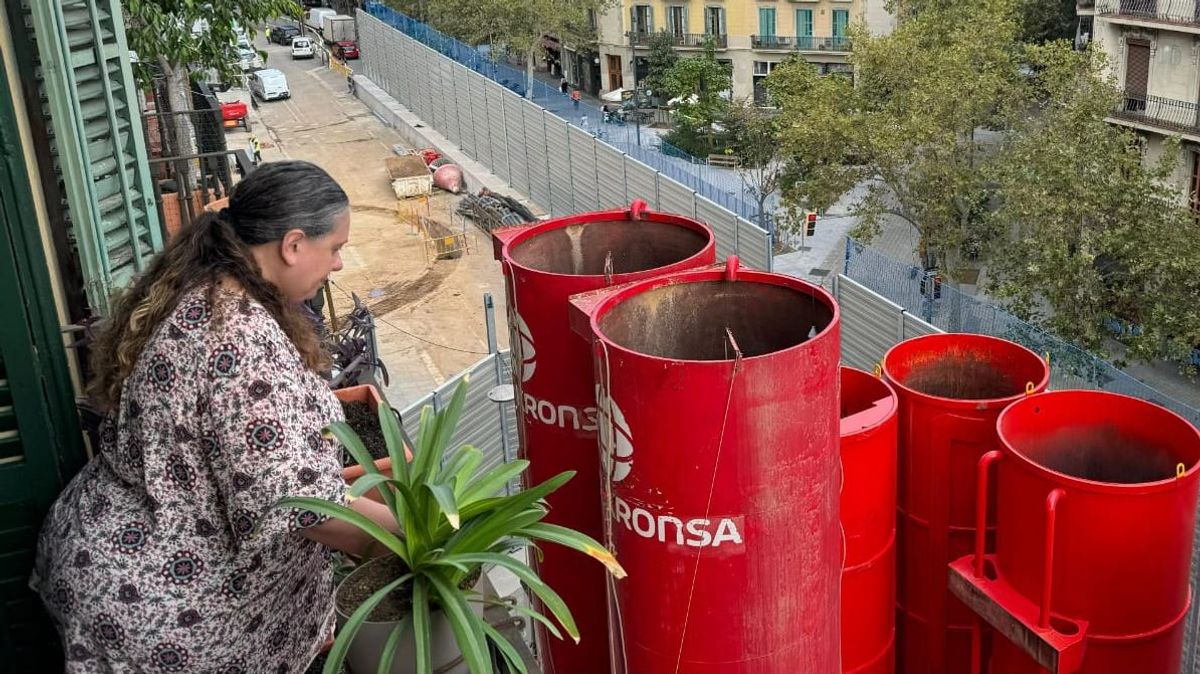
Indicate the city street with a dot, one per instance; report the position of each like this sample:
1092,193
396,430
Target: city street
430,318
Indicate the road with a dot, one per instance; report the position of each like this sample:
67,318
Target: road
429,315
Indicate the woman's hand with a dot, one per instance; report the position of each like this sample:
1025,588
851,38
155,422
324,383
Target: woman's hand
346,537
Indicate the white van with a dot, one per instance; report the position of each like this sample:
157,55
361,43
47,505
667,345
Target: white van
269,85
302,48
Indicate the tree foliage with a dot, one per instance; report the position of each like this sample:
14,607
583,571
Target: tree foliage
700,82
662,59
195,35
519,26
753,135
988,145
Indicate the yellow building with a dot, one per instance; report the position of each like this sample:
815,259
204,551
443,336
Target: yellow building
751,36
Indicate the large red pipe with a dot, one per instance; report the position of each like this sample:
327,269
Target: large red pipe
951,389
1095,511
719,419
868,516
544,264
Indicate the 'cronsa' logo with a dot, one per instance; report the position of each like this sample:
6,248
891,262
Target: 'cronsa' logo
615,438
525,349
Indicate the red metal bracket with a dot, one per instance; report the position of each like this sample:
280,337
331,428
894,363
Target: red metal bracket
1058,648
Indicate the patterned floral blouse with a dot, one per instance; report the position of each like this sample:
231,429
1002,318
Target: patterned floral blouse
164,554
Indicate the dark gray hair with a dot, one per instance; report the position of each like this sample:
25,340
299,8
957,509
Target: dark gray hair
284,195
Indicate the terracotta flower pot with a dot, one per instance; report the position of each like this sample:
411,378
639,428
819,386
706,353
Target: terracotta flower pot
370,395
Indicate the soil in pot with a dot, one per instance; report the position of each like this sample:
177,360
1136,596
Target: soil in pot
360,586
367,580
365,422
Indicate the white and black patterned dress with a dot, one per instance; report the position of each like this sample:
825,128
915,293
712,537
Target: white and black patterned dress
164,554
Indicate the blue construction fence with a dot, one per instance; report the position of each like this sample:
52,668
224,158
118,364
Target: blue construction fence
924,295
722,186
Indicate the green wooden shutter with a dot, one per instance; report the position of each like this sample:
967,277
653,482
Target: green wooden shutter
96,122
40,443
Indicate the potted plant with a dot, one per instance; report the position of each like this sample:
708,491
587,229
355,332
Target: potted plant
398,609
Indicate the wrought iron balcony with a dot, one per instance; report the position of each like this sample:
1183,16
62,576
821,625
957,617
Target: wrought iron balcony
1186,12
683,40
1165,113
802,43
772,42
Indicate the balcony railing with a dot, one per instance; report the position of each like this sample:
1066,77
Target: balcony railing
1085,4
802,43
685,40
1165,113
1185,12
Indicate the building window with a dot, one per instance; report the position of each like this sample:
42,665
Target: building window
766,22
714,20
761,70
1194,196
804,29
592,23
643,19
677,20
841,19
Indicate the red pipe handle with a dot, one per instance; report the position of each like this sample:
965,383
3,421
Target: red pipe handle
981,501
1052,500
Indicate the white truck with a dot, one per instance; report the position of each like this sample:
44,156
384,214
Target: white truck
316,16
338,28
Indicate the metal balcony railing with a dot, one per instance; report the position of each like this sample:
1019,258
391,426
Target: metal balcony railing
1165,113
685,40
1085,4
1185,12
802,43
772,42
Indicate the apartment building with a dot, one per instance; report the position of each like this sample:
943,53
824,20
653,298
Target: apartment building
1153,48
752,37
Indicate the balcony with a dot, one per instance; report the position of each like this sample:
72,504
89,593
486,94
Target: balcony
1085,4
1181,12
681,40
802,43
1167,114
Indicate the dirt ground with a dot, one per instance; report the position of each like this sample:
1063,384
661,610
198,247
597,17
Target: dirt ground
429,312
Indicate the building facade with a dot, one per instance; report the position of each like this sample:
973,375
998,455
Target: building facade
752,37
1153,51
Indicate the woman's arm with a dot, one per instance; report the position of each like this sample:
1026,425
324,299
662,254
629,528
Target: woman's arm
346,537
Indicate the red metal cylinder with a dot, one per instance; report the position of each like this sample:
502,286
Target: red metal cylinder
951,388
719,427
868,515
544,264
1125,474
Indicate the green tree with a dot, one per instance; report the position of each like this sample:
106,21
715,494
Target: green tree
662,58
520,26
918,125
1046,20
183,38
700,85
753,135
1092,230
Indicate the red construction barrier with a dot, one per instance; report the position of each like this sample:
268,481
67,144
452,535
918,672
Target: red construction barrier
719,427
868,515
544,264
1095,513
951,389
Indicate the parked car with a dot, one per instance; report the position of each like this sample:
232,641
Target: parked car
249,59
283,34
345,50
302,48
269,85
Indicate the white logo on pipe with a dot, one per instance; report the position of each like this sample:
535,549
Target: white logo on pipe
615,438
526,349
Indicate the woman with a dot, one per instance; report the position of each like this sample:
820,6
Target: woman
164,554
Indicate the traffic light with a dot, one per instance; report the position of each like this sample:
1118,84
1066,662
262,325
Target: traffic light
810,224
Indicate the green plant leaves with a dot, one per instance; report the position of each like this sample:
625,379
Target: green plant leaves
544,592
573,539
388,539
393,642
393,436
467,626
422,627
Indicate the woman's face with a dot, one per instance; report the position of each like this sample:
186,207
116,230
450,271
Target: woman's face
307,261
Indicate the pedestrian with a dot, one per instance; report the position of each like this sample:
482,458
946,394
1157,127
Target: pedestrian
584,123
255,149
563,86
575,97
604,113
166,552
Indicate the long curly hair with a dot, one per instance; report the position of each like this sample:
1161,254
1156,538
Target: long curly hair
215,248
